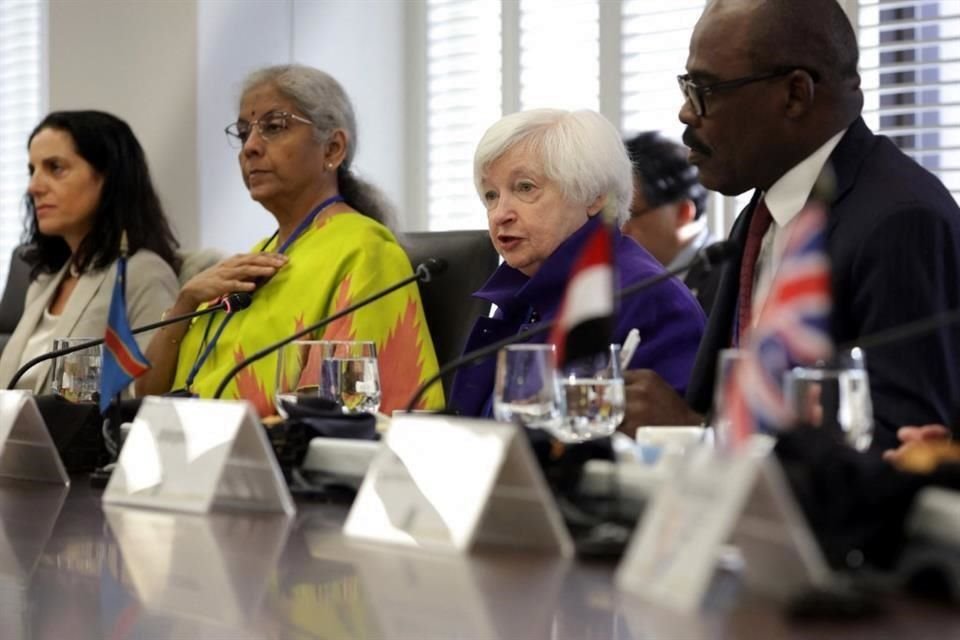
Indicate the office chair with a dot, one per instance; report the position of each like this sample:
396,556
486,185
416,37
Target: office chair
447,303
14,295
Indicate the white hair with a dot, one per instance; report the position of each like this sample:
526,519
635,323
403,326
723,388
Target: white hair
579,150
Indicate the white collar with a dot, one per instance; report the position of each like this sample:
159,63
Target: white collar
789,194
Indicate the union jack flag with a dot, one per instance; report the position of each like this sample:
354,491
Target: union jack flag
122,360
792,330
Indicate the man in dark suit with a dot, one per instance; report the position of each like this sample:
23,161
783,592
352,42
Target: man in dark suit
666,215
772,97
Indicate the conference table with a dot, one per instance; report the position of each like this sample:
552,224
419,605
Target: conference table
72,569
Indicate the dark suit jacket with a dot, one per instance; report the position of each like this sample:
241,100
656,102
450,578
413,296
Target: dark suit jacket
703,280
893,236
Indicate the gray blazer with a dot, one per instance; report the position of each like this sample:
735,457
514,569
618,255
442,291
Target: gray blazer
151,289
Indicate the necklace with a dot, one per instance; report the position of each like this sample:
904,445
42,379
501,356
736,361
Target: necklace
74,270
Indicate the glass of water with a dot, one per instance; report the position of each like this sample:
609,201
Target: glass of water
834,395
76,376
348,375
727,362
526,388
593,395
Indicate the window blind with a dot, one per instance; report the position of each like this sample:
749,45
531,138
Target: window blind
463,99
20,105
910,68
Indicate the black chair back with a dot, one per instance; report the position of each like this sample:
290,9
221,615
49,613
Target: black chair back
447,303
14,295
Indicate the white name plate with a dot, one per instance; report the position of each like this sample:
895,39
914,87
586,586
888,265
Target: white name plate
718,497
450,484
27,451
185,454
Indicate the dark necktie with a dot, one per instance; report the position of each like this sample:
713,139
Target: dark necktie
759,223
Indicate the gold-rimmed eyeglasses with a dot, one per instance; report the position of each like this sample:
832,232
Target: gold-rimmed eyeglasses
697,94
269,126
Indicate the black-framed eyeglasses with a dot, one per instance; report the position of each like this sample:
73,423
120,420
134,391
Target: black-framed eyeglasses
269,126
697,94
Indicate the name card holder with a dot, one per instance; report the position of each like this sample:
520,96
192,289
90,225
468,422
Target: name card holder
186,454
27,451
453,484
715,498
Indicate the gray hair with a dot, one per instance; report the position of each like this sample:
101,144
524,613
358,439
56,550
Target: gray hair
580,151
324,102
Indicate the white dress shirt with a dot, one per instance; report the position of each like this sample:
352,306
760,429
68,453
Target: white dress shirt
785,199
40,342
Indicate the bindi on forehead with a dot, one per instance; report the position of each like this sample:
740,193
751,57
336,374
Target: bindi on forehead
262,101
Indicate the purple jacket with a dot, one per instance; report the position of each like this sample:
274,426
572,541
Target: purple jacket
668,317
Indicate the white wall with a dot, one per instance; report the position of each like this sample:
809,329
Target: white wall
173,68
138,61
234,37
359,43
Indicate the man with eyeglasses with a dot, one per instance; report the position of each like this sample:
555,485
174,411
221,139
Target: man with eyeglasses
771,97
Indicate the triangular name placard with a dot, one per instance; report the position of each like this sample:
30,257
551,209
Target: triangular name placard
452,484
715,498
27,451
192,455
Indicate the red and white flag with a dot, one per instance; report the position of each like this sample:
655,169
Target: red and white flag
584,325
792,330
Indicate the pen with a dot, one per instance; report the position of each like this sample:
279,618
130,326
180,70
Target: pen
629,347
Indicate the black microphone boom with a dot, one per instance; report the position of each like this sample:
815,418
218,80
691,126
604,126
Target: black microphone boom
231,303
903,332
425,272
712,255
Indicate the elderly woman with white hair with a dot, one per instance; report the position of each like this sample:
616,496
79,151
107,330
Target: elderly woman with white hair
546,178
296,136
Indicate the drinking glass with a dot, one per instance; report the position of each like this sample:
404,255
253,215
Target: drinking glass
349,376
835,395
726,363
76,376
342,371
593,394
526,389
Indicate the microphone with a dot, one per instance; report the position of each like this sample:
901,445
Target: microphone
230,303
425,272
712,255
903,332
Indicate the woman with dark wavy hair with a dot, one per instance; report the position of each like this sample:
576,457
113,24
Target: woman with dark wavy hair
89,182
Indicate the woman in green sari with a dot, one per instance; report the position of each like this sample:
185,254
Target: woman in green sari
296,132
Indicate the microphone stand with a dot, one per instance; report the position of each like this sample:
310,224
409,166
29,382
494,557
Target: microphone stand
99,341
914,329
423,273
713,255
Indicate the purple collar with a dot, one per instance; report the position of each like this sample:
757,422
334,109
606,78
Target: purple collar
513,292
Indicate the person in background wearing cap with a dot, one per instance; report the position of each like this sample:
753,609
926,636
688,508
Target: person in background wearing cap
666,214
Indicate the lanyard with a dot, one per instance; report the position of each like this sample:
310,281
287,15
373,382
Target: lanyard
306,222
300,229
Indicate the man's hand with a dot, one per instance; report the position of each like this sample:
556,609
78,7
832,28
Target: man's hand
651,401
912,438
